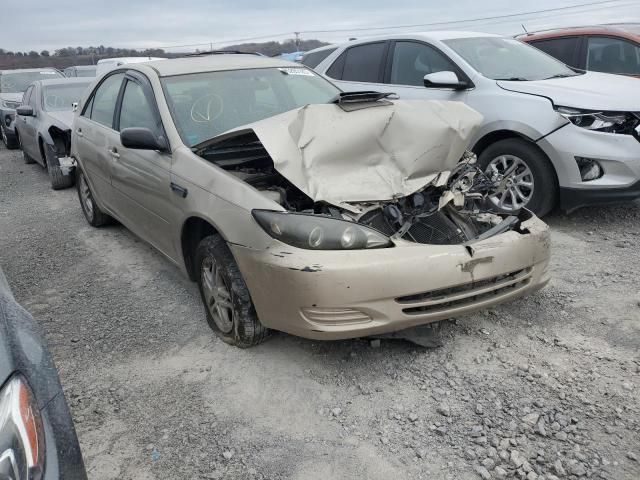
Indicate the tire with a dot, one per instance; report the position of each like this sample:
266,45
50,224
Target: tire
10,143
238,324
542,197
58,179
95,217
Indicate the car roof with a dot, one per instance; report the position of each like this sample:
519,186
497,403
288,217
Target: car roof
323,48
83,67
20,70
436,35
213,63
625,30
65,81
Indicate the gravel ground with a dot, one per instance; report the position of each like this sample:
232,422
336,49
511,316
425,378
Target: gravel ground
542,388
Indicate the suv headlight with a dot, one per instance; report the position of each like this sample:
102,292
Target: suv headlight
314,232
21,432
611,122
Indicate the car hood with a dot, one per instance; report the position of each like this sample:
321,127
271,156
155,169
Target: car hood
12,97
384,151
590,91
62,119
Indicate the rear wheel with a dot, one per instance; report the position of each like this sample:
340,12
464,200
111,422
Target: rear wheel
230,311
525,175
92,212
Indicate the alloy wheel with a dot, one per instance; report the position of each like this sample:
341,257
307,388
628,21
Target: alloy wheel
515,180
217,295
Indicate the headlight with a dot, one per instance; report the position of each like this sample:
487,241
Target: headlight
10,104
314,232
21,433
612,122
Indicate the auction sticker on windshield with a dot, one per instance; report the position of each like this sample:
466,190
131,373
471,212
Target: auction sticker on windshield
296,71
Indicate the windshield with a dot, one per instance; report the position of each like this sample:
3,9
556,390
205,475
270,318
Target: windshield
204,105
19,81
508,59
60,98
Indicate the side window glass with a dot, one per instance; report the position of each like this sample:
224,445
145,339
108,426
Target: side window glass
612,55
412,61
104,100
561,48
363,63
312,60
136,111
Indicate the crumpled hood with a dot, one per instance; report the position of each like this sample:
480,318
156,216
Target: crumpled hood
62,119
370,154
590,91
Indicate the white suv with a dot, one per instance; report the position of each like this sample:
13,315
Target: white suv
551,134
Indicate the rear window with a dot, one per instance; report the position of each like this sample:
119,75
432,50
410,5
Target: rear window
313,59
563,49
18,82
362,63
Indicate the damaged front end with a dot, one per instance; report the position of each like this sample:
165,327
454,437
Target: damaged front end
366,173
58,151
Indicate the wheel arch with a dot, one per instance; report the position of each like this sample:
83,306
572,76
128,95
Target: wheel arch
194,229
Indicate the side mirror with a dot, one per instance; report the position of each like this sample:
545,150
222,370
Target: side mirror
142,139
445,79
25,111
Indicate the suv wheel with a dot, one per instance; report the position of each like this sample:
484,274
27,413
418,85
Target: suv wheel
526,177
92,212
230,311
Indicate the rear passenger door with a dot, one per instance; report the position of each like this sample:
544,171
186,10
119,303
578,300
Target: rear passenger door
360,67
95,137
141,178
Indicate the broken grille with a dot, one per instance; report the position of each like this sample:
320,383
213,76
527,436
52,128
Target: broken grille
466,294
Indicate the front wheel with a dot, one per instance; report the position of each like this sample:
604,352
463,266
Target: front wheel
524,174
230,311
92,212
58,179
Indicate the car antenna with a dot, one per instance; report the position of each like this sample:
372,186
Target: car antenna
525,29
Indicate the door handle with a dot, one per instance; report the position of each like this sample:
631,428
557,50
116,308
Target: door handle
79,132
178,190
114,152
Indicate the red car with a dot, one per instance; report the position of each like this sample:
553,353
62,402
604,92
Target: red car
611,48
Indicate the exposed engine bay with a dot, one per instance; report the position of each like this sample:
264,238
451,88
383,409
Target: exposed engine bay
452,209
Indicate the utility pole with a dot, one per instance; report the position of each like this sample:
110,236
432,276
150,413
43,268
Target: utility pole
297,34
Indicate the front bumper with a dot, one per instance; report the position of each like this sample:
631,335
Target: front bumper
618,155
328,295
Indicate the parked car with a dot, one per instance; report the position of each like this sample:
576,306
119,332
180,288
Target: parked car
43,126
107,64
602,48
551,134
37,437
13,83
296,207
313,57
80,71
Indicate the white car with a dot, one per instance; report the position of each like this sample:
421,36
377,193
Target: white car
551,134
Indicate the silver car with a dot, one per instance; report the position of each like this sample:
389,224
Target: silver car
297,207
551,135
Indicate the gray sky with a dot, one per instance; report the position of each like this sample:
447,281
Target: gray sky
161,23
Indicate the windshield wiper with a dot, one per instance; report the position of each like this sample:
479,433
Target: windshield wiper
561,75
513,79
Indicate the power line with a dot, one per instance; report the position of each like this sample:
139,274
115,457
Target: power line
453,22
491,19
